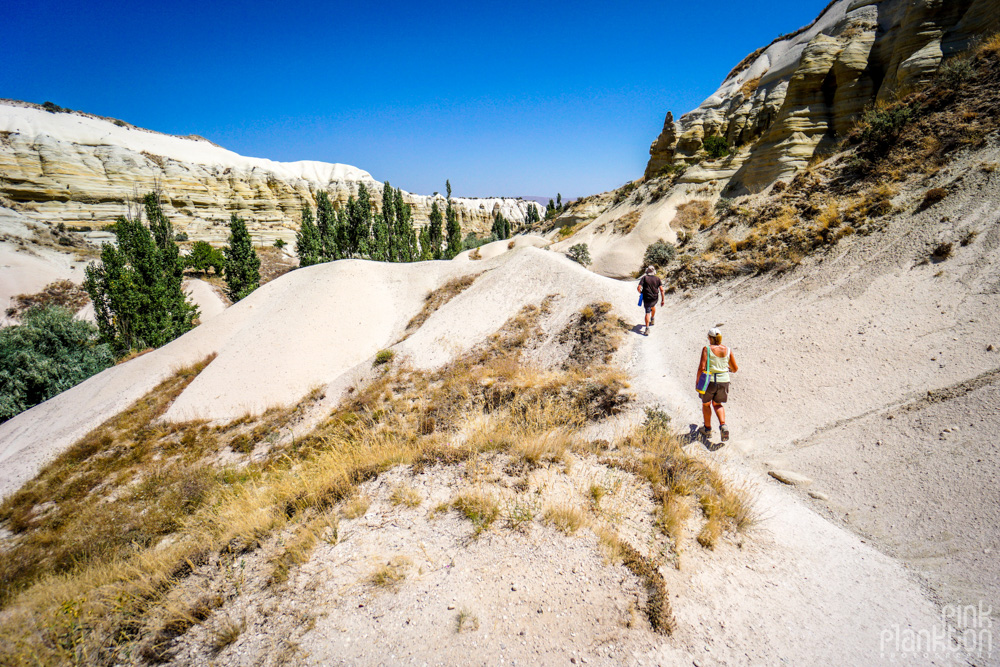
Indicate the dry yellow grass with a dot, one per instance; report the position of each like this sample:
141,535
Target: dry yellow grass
391,573
404,494
110,596
566,517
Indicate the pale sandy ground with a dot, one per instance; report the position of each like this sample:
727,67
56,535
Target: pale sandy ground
497,248
827,353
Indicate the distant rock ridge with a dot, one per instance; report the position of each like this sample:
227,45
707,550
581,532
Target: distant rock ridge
796,97
79,169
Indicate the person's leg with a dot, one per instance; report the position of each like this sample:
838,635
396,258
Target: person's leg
720,412
652,316
706,409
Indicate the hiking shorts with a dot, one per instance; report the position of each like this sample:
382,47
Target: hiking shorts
648,305
717,392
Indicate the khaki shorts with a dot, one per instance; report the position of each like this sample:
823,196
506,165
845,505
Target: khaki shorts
717,392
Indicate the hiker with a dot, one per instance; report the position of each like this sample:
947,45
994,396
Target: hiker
650,287
717,362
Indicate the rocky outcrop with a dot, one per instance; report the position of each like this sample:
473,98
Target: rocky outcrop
80,169
799,95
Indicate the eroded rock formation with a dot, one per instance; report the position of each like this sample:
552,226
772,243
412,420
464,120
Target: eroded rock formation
803,92
79,169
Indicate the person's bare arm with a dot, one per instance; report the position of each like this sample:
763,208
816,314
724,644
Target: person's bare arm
732,363
663,295
638,288
701,365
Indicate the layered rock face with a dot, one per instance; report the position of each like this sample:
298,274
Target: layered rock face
804,91
80,169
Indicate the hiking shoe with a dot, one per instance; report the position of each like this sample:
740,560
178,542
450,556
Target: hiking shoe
645,332
725,432
652,321
706,434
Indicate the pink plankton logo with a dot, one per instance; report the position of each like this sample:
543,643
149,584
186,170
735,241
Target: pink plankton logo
965,631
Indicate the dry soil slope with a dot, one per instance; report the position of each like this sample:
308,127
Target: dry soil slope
873,369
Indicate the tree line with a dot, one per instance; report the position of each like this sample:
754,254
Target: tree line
388,235
136,287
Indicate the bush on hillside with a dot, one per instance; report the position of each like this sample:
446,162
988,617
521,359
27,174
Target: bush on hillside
580,254
716,147
204,257
46,354
659,254
879,128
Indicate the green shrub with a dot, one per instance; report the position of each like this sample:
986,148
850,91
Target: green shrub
181,237
956,71
204,257
716,147
383,357
52,107
880,127
46,354
660,253
580,254
279,243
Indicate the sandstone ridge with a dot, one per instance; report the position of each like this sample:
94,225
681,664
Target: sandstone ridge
79,169
795,98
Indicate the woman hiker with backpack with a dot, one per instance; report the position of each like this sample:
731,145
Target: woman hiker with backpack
717,362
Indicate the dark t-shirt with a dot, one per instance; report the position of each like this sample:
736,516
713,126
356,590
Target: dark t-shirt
650,288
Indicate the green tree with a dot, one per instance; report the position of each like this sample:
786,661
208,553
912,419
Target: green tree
559,204
453,227
403,231
501,227
435,231
204,257
426,247
308,241
359,222
136,288
242,264
447,187
46,354
327,225
383,246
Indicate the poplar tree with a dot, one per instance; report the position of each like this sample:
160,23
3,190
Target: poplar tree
242,264
435,231
405,234
359,222
382,246
308,242
136,287
453,227
327,227
426,247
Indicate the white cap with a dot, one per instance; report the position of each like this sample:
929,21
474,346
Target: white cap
714,331
650,269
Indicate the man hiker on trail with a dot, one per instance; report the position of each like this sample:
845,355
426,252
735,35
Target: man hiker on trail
650,287
716,363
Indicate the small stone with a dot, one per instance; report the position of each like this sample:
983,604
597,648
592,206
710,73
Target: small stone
451,606
989,348
790,478
573,660
513,588
818,495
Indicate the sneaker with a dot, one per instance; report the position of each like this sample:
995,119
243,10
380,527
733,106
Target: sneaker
645,332
706,434
725,432
652,321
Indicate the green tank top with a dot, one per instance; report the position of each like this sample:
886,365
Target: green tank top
718,367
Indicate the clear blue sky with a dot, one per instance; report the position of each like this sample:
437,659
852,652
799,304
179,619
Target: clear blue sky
504,98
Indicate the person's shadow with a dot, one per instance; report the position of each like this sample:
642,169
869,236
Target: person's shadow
694,435
637,329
